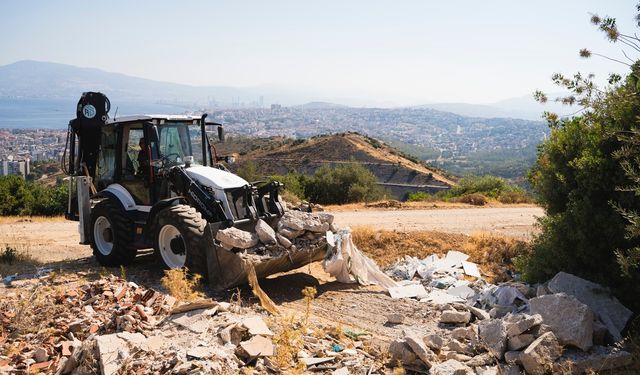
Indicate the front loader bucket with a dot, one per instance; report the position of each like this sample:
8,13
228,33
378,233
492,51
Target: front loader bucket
227,269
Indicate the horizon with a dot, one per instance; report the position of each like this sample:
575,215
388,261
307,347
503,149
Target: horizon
374,51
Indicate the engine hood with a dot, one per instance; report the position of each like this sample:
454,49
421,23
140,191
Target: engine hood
216,178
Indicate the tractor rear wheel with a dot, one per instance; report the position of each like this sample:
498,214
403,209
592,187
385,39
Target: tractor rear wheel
180,239
111,234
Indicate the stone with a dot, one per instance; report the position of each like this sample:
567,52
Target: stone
541,290
419,348
195,321
290,234
488,370
599,299
523,324
520,341
40,355
434,342
493,336
341,371
458,347
453,316
293,220
265,233
200,352
112,353
513,357
599,333
457,356
480,360
538,358
451,367
237,238
407,291
284,241
479,313
257,346
395,318
256,326
570,319
509,369
540,330
311,361
325,217
465,333
400,351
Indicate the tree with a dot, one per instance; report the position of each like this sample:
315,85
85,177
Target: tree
580,177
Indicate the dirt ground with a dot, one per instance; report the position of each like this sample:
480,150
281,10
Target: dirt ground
518,222
54,243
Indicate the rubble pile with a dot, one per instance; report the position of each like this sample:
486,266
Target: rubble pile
568,325
294,231
120,327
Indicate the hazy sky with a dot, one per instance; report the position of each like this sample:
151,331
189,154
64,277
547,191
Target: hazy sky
407,52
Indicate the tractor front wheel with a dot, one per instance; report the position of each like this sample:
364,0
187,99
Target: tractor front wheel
180,239
111,234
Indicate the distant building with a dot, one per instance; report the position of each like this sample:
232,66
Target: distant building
16,167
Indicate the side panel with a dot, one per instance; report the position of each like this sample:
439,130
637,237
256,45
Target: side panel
84,209
125,198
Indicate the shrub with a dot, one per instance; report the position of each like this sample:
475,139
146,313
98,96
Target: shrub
474,199
346,183
515,196
21,197
419,196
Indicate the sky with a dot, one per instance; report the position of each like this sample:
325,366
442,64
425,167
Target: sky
405,52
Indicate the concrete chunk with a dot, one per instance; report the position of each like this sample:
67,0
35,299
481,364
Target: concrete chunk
569,319
598,298
256,326
258,346
493,335
538,358
265,233
434,342
523,324
419,348
400,351
451,367
520,341
235,237
452,316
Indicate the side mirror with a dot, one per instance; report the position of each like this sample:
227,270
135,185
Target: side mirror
220,133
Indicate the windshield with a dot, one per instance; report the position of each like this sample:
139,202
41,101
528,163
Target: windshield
178,140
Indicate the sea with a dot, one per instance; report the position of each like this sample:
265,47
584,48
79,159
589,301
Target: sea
25,113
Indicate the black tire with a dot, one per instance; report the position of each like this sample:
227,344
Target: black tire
192,231
118,236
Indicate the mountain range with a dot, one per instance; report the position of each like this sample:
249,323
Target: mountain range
35,80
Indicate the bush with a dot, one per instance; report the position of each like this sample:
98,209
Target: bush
474,199
420,196
346,183
293,183
514,197
21,197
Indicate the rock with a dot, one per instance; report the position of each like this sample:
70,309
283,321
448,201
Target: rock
256,326
257,346
488,370
341,371
599,358
451,367
520,341
265,233
465,333
540,330
434,342
538,358
112,353
292,220
40,355
599,299
599,333
284,241
513,358
200,352
570,319
522,324
509,370
479,313
480,360
290,234
400,351
452,316
458,347
457,356
395,318
493,335
541,290
419,348
325,217
237,238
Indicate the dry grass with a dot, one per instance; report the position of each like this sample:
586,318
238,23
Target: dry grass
30,219
35,311
14,260
288,342
492,253
181,285
309,294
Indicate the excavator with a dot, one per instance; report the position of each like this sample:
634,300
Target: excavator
156,181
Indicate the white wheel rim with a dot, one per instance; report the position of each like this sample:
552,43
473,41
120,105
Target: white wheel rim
100,227
170,257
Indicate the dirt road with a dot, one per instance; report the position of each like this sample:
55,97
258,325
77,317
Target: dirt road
516,222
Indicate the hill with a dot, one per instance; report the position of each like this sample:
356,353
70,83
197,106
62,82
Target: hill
395,171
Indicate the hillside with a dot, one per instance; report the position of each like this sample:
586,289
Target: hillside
396,172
